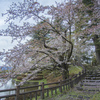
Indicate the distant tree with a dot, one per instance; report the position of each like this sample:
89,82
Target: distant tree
88,23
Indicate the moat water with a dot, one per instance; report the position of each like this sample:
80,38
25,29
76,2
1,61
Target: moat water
9,85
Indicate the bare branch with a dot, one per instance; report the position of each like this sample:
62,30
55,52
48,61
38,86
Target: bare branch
51,48
49,55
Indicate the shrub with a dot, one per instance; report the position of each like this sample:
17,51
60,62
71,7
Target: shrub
71,75
19,78
23,75
13,98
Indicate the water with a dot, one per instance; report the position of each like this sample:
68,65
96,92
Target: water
10,84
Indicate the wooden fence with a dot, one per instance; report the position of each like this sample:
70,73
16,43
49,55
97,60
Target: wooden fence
43,90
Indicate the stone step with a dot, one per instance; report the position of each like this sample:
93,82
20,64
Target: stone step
32,69
89,84
40,75
87,89
40,72
37,78
93,78
80,97
29,72
97,75
91,87
87,80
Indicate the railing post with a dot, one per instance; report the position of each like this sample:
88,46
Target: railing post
71,83
76,79
79,76
68,83
85,72
82,73
60,86
42,88
17,92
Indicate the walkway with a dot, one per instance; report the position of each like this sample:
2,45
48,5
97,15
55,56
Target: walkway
84,90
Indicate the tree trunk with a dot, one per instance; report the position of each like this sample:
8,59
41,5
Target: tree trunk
65,72
97,47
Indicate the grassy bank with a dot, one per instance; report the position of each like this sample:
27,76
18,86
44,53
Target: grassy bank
54,76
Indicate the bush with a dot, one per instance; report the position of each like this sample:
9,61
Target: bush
19,78
23,75
71,75
87,66
13,98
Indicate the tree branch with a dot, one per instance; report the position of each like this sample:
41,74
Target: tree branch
51,48
71,50
39,60
48,56
47,23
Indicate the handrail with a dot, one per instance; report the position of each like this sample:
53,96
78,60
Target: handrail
7,90
68,83
52,83
8,96
30,92
30,86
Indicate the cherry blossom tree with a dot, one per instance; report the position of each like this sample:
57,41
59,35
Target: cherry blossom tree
51,28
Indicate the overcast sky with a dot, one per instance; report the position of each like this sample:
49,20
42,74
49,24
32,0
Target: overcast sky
5,42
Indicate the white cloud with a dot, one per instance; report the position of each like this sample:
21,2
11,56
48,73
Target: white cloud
1,63
2,22
5,43
48,2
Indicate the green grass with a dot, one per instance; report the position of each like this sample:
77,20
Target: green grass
43,80
40,81
50,95
17,80
67,97
74,69
45,95
96,96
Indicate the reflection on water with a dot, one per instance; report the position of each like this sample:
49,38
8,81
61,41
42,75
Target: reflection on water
10,84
